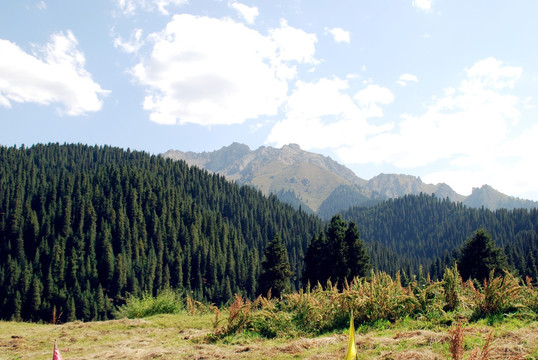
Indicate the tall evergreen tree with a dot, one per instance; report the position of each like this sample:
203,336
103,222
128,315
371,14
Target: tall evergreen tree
276,273
340,255
357,259
479,256
315,260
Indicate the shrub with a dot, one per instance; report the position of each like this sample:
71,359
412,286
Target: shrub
381,298
166,302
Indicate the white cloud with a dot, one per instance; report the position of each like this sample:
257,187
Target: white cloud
509,167
132,45
404,79
468,127
339,34
374,94
294,44
370,98
42,5
322,115
249,13
467,130
57,76
129,7
425,5
210,71
491,73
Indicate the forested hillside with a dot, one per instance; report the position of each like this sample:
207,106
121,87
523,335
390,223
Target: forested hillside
411,231
81,227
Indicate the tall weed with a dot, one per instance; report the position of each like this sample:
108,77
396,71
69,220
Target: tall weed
500,294
378,299
452,285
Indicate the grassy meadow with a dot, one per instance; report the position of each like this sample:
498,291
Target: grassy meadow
446,319
184,336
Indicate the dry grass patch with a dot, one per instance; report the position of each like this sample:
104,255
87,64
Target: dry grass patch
183,336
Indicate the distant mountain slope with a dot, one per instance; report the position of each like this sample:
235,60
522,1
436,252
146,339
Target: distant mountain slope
394,186
312,177
324,186
415,230
490,198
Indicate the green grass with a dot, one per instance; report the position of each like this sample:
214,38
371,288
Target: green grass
184,336
421,321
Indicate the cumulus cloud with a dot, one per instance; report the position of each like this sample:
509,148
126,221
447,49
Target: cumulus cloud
510,166
466,131
322,114
425,5
294,44
371,97
55,75
129,7
467,127
215,71
339,34
249,13
405,79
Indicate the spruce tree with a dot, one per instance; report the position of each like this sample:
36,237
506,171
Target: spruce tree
315,259
357,259
340,255
479,256
276,272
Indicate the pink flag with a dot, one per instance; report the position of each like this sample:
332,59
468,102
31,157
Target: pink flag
56,355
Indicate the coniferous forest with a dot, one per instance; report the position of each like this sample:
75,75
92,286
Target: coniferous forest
414,232
82,228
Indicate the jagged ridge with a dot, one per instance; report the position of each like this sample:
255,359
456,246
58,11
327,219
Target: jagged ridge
323,185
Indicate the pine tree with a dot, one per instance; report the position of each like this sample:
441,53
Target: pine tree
276,273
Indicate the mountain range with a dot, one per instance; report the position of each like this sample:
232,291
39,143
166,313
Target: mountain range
321,185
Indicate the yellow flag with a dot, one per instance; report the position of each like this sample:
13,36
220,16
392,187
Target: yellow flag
351,353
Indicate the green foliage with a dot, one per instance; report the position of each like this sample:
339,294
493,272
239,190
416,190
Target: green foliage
422,230
452,286
379,301
276,272
83,227
166,302
344,197
479,257
338,255
500,295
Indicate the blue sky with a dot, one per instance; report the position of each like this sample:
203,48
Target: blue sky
442,89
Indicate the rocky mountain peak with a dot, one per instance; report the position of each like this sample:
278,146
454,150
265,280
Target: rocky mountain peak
311,179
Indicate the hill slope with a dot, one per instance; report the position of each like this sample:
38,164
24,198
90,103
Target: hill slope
324,186
81,227
413,231
311,177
